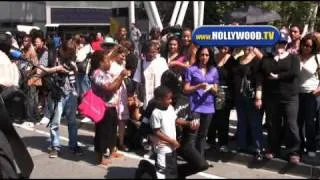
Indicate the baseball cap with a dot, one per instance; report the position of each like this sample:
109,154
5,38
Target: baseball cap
108,41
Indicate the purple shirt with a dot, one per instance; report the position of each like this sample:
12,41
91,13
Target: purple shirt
201,101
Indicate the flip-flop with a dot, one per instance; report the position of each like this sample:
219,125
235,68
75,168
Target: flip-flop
116,155
105,162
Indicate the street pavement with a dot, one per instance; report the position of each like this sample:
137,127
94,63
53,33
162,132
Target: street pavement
70,166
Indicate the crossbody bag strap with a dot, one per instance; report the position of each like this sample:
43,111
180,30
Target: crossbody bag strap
141,72
318,66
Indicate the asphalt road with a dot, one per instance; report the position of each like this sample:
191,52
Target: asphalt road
69,166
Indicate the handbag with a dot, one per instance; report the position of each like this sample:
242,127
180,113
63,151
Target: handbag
220,101
246,88
92,106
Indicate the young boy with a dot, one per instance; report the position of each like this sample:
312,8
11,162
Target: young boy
163,122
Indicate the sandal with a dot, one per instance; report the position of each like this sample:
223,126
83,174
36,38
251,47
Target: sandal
269,156
294,159
105,162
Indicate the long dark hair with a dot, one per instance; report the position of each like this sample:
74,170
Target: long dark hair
67,52
52,53
211,63
304,41
174,38
96,58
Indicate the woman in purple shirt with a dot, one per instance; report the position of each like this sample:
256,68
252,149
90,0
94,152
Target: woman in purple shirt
201,85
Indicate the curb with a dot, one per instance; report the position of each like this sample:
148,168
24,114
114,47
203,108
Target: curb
280,166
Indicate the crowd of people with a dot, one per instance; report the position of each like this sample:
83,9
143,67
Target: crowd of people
172,97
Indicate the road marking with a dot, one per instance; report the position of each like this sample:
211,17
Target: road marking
132,156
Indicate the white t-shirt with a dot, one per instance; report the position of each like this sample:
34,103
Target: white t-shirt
308,76
153,71
9,72
83,52
165,120
122,108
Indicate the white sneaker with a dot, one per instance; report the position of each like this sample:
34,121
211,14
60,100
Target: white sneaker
85,120
44,120
312,154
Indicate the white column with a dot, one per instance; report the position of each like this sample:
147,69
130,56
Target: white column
195,14
132,17
155,13
48,14
175,13
201,13
182,12
149,13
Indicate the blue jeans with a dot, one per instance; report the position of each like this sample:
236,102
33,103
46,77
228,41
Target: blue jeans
67,104
249,120
83,83
49,107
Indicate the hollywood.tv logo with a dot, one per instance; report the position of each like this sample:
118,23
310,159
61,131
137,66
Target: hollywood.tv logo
244,35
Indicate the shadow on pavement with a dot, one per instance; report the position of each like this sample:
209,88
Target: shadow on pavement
41,143
120,173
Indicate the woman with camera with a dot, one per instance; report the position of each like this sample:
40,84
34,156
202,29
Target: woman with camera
247,91
66,100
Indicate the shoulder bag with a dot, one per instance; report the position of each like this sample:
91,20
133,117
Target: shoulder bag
92,106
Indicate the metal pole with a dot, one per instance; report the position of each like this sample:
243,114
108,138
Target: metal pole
155,13
195,14
150,17
182,13
131,13
176,9
201,13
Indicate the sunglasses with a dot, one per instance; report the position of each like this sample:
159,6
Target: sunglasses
306,45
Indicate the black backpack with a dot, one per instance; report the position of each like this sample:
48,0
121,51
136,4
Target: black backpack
54,82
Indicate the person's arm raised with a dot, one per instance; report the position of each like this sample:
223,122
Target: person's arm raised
116,83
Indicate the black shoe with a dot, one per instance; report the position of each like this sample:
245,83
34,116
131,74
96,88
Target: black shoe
123,148
258,156
77,151
146,167
138,174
